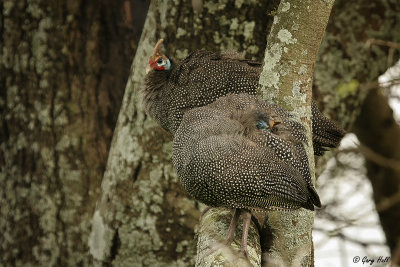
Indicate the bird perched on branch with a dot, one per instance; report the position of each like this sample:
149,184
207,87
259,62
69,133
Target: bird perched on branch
172,88
240,152
237,152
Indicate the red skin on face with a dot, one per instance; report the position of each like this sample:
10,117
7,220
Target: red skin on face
154,66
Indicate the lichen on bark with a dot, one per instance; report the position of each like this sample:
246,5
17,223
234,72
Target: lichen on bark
53,145
211,247
286,79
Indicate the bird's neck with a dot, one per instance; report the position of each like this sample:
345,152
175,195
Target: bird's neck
155,93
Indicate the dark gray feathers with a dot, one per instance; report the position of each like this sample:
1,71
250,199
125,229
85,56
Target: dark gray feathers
204,76
224,159
196,81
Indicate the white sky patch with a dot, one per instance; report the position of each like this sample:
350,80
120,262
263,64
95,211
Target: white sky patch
353,193
389,77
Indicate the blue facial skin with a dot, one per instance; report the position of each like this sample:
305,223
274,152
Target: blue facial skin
168,65
262,125
160,62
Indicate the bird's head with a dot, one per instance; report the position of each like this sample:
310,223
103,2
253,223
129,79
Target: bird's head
254,119
265,122
158,61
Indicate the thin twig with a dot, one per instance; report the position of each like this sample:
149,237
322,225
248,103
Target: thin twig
375,157
388,202
372,41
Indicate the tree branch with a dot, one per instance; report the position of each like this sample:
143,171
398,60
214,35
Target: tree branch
211,250
287,80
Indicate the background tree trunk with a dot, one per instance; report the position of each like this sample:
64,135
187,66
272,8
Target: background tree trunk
63,67
376,128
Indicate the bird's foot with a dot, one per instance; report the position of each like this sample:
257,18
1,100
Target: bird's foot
243,253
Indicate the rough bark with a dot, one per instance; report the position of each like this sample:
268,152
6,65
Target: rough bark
57,118
286,78
211,249
144,217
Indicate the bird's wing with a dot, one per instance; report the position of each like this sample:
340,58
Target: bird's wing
326,133
209,149
236,56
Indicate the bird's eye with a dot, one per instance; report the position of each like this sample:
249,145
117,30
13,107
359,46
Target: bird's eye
262,125
160,61
162,64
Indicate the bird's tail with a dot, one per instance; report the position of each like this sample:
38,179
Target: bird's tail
326,133
313,199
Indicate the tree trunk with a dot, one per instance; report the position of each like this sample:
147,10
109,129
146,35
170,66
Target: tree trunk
212,232
57,122
287,79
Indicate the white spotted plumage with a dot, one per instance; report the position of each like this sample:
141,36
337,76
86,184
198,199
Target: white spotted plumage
223,159
204,76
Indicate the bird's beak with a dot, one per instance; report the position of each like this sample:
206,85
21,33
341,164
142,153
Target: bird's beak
272,123
148,69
